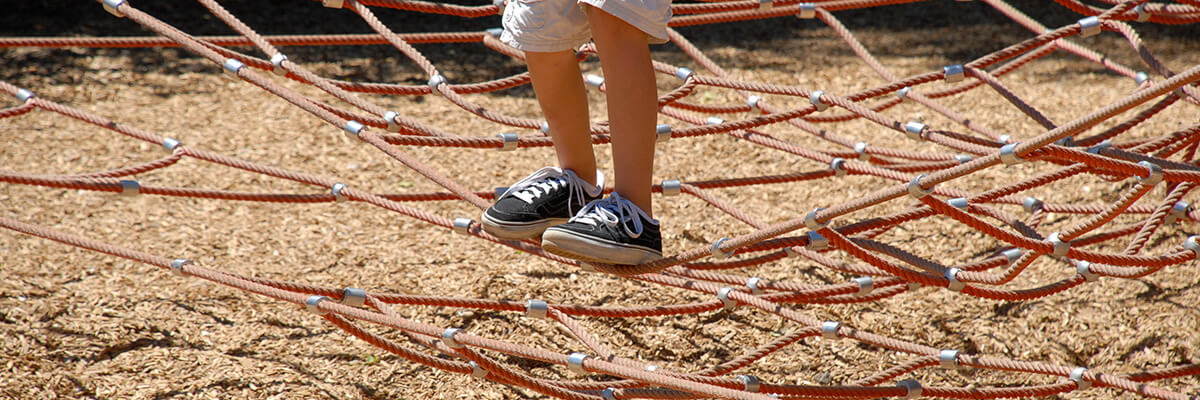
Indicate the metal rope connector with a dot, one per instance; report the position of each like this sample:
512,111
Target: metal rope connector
1004,139
716,249
915,190
477,371
463,225
575,363
1013,254
609,394
953,73
948,358
714,121
807,11
838,165
1179,211
177,266
435,81
902,94
130,188
593,80
1077,376
829,330
750,383
914,129
277,64
954,284
312,304
1192,243
448,338
1084,268
354,297
963,158
959,203
510,141
752,284
1140,78
810,219
336,191
536,309
390,117
816,241
111,7
1154,174
170,144
912,387
672,188
1089,26
352,129
753,101
861,149
24,95
723,294
865,285
683,73
1008,156
663,132
495,32
815,100
232,66
544,127
1031,204
1100,146
1142,14
1060,247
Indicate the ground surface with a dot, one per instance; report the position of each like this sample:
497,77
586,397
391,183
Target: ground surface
78,324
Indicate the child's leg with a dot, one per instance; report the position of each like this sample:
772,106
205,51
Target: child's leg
563,98
632,103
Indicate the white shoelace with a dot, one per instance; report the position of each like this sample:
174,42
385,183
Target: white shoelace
612,211
548,179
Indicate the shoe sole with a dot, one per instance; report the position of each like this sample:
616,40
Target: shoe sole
592,250
518,230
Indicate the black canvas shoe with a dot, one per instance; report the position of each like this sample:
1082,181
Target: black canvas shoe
612,231
547,197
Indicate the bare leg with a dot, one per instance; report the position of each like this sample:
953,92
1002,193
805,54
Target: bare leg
562,96
632,103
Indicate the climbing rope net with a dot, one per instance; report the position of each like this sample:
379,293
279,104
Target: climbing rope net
1074,148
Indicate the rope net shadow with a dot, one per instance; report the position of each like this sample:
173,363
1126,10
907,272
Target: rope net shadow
1097,143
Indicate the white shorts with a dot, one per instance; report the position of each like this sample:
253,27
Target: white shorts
557,25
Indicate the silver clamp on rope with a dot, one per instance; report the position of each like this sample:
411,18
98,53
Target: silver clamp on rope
333,3
838,165
1060,247
764,5
277,64
810,219
953,73
170,144
177,266
752,284
963,158
111,7
683,73
462,225
1089,26
716,249
130,188
1008,155
544,128
575,363
1084,268
435,81
448,338
1068,141
1140,78
815,100
902,94
1031,204
536,309
352,129
816,241
1099,146
651,367
609,394
1142,14
914,129
865,285
499,6
390,117
336,190
477,371
24,95
1077,376
807,11
829,330
663,132
959,203
354,297
1192,243
728,303
714,121
312,304
232,66
1154,175
954,284
861,149
510,141
1179,212
753,101
672,188
912,386
495,32
948,358
915,190
1004,139
750,383
1013,254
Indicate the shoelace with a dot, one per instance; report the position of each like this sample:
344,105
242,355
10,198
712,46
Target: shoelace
612,211
544,181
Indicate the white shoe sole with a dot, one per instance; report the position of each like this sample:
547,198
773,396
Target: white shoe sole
591,250
518,230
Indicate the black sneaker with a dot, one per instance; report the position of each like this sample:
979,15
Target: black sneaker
612,231
547,197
